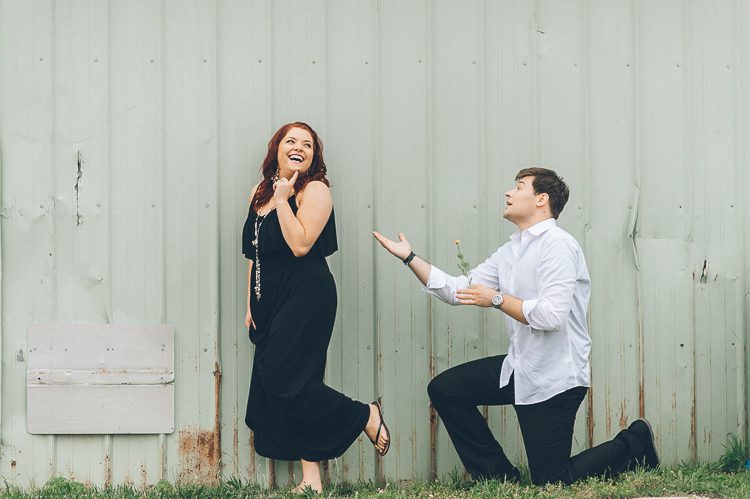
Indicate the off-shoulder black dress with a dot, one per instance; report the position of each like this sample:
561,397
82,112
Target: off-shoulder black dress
292,413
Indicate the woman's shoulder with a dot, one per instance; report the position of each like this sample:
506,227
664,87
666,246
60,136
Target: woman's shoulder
315,190
253,191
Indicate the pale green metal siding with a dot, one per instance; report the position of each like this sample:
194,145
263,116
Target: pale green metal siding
427,109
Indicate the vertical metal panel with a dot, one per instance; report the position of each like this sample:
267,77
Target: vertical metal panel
713,135
664,238
137,204
561,35
402,159
245,124
352,58
456,176
191,232
613,180
427,110
27,215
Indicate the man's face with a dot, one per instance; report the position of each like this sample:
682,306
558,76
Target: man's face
520,201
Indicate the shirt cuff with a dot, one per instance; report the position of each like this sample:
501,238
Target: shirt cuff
527,307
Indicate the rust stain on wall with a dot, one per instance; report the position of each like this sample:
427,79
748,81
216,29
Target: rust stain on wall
290,472
326,472
623,414
433,443
641,401
217,418
197,453
107,470
235,446
590,418
200,450
693,433
251,467
271,473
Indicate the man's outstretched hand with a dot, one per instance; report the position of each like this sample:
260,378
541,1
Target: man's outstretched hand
401,249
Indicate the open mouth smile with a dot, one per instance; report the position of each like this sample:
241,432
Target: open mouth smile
296,158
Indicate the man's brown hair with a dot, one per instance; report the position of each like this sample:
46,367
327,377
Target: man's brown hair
548,182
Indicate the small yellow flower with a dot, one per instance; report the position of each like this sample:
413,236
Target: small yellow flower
457,242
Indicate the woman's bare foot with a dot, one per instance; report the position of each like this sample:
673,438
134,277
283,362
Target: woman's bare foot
304,486
371,430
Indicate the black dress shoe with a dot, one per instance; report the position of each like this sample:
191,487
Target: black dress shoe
647,455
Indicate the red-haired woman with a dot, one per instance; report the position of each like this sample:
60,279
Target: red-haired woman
291,307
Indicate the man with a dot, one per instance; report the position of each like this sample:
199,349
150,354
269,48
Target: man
539,280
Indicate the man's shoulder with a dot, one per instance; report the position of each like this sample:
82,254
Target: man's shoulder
559,235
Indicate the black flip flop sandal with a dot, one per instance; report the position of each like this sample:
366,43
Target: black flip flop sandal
381,426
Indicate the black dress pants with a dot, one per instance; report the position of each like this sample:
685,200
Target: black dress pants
546,427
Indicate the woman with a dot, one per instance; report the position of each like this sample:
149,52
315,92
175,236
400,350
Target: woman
291,307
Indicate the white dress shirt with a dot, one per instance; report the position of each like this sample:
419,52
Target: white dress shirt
544,266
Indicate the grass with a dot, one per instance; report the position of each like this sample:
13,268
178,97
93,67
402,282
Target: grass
686,479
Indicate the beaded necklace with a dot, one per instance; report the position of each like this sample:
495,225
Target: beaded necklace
256,243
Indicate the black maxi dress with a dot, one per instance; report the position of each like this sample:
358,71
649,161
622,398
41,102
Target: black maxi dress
292,413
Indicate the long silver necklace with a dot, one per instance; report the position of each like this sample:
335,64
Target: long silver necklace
256,243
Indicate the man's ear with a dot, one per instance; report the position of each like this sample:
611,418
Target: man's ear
542,199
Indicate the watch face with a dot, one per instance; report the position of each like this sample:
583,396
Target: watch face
497,300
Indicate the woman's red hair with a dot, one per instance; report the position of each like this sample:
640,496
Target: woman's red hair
270,165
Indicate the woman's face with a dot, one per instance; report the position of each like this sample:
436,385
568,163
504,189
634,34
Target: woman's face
295,152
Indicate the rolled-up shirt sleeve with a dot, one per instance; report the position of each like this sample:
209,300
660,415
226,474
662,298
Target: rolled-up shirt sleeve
557,275
444,286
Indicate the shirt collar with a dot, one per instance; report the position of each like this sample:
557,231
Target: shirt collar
537,229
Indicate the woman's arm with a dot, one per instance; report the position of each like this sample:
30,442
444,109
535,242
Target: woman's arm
315,205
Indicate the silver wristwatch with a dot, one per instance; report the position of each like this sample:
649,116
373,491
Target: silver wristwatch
497,300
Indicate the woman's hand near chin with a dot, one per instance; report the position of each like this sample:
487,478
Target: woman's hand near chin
282,188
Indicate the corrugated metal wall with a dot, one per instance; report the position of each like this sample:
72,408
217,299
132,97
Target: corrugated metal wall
132,130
